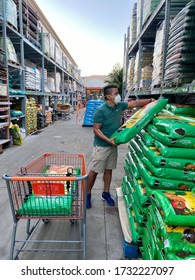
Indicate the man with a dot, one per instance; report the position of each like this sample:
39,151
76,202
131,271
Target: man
107,119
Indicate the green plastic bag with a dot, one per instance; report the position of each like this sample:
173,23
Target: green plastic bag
157,182
181,109
146,138
175,126
157,160
136,230
172,256
167,173
174,152
138,121
176,207
185,142
46,206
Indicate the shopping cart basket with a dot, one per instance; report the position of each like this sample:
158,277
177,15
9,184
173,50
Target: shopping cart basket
52,187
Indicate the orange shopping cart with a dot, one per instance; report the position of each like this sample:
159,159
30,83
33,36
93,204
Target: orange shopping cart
52,187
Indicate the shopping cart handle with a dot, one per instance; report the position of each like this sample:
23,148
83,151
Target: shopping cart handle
43,178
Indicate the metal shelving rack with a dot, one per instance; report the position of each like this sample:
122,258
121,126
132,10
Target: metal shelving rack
164,11
28,50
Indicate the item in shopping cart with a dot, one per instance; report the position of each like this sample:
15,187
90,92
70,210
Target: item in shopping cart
46,206
176,207
137,122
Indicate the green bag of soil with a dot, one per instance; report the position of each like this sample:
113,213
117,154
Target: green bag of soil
129,162
142,117
185,142
136,230
175,126
43,206
180,240
149,248
181,109
176,207
157,160
163,172
146,137
126,188
178,256
157,182
174,152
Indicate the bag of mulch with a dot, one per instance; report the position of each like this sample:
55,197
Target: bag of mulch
174,152
185,142
157,182
137,122
167,173
176,207
157,160
174,126
126,188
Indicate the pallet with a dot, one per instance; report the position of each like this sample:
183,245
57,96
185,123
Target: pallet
131,250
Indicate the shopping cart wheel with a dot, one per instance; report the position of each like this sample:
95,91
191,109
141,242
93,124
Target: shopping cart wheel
73,221
46,221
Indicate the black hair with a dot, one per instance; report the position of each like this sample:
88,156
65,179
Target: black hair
107,88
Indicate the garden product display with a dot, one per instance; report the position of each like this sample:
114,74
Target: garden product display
174,152
164,138
157,182
176,207
138,121
181,109
154,156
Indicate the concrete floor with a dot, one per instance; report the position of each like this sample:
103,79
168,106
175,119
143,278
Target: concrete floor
104,234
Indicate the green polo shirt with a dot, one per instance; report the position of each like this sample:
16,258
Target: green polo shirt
110,118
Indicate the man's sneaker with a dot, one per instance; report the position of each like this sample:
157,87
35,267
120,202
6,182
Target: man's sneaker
88,201
106,196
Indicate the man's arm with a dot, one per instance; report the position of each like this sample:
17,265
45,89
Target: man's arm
98,132
139,103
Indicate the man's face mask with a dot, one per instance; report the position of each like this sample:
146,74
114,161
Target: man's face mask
117,99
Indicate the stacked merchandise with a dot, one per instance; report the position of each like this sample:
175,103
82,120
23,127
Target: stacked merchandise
30,23
159,185
51,82
149,8
180,59
32,77
92,105
10,13
146,67
31,115
157,57
133,25
41,120
130,75
10,50
48,117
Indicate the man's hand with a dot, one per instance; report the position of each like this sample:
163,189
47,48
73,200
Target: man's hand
112,142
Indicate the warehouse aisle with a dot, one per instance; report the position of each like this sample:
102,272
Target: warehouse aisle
104,236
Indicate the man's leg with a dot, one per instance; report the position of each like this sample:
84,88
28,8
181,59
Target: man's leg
91,180
107,177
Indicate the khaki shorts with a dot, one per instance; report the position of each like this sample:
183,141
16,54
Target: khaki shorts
104,158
